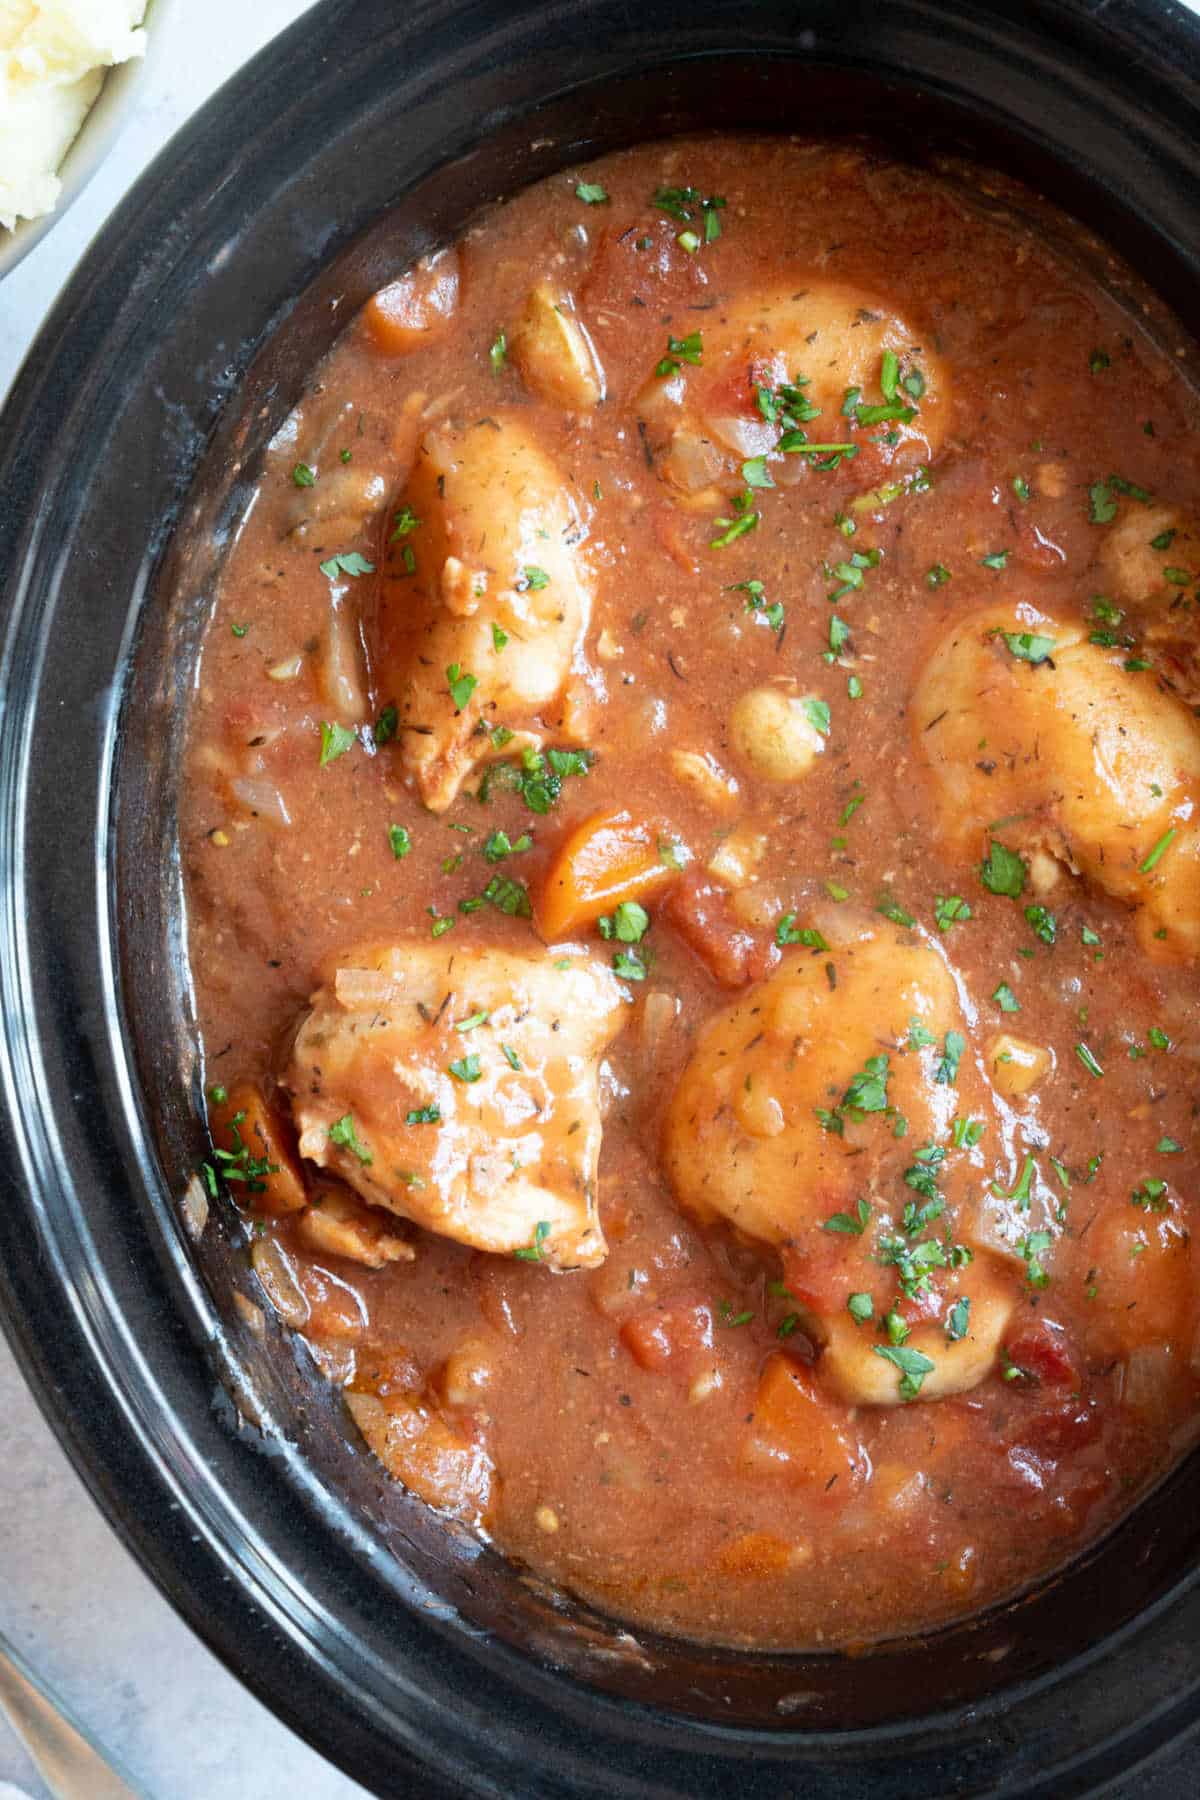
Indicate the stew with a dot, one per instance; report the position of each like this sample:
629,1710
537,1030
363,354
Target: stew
692,831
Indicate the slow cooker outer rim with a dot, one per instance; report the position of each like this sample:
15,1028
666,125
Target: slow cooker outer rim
63,1331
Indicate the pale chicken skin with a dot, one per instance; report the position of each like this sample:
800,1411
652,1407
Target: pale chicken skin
707,412
1092,762
483,600
788,1116
459,1089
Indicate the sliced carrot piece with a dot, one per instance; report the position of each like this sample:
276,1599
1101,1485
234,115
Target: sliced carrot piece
611,857
257,1158
417,308
793,1433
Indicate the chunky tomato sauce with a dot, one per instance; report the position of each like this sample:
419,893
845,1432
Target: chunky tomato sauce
692,841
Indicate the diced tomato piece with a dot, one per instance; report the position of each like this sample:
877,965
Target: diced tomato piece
664,1337
700,913
822,1267
1054,1431
1045,1353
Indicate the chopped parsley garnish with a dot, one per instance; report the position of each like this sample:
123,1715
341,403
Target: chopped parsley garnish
689,349
681,204
867,1092
498,353
1020,488
1023,1187
1005,999
404,523
958,1319
1158,852
1088,1060
466,1069
1151,1196
462,686
1003,871
303,476
628,923
424,1115
347,563
400,840
1158,1038
511,1057
946,1073
1167,1146
756,602
629,966
342,1133
756,474
1098,360
966,1133
1043,923
861,1308
1102,508
950,909
850,1224
386,726
533,1252
817,714
533,577
891,909
786,933
1029,646
729,530
239,631
591,193
1032,1249
472,1021
938,576
499,845
912,1365
997,559
335,741
508,896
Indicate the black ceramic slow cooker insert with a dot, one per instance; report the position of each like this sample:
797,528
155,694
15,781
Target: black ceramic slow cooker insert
365,136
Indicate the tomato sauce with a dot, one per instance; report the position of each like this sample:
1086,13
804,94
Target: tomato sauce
824,543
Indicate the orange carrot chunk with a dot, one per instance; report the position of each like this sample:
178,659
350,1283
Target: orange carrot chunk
793,1435
417,308
256,1153
611,857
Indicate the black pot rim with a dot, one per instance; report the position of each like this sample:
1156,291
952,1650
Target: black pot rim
121,1343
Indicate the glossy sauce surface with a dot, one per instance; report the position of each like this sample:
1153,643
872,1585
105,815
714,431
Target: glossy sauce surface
691,837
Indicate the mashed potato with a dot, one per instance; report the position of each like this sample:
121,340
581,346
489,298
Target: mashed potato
53,54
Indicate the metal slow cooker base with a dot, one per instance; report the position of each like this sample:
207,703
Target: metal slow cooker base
362,137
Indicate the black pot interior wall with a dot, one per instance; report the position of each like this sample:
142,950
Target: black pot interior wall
276,1384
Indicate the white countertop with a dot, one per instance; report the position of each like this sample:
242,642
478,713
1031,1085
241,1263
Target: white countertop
71,1598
